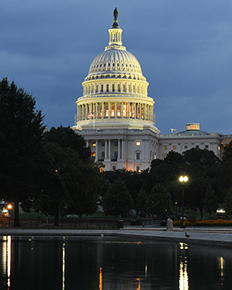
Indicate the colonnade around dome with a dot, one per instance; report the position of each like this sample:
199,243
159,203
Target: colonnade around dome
115,110
138,88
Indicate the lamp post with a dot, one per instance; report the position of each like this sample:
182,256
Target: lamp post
183,180
9,207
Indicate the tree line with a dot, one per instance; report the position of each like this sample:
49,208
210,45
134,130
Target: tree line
53,172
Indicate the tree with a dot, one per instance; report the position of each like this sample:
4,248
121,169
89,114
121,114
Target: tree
141,202
70,165
202,167
227,165
159,201
210,201
117,200
21,133
228,202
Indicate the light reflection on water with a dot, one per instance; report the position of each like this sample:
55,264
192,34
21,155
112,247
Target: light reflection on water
107,264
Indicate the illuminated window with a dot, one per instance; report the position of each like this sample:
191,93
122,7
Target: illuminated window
101,169
137,143
119,111
174,146
94,144
94,154
112,110
165,147
107,111
124,110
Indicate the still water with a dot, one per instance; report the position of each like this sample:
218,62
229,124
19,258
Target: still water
104,263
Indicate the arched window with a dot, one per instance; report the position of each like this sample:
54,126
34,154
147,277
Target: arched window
107,88
101,88
112,87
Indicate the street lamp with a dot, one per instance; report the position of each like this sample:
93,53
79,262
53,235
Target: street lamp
183,180
9,207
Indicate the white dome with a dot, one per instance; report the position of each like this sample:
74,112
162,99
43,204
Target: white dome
115,61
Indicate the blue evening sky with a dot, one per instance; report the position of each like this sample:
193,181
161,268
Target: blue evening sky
184,48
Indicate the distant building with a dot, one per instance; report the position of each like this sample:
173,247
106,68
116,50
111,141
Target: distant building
115,114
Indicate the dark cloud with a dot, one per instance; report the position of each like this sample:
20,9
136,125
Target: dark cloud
184,48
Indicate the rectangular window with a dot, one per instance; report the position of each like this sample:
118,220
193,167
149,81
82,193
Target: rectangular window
165,147
197,146
174,146
206,146
137,155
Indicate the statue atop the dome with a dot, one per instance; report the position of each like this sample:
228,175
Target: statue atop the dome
115,13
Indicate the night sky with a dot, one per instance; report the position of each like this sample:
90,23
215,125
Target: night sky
183,46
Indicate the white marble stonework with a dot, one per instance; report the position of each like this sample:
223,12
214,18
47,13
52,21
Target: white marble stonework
115,114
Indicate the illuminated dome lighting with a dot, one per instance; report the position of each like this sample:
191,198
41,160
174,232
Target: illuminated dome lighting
115,90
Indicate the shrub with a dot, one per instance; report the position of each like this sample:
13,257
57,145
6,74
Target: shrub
179,223
218,222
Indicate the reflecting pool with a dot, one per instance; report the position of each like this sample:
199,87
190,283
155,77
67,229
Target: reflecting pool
104,263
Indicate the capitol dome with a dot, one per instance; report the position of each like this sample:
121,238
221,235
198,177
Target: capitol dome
113,61
115,90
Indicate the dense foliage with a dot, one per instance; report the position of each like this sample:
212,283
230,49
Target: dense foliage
21,135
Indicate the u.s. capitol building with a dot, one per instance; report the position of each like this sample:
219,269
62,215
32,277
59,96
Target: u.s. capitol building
115,114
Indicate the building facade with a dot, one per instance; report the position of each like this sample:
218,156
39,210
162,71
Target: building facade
115,114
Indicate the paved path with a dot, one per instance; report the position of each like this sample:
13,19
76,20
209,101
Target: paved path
212,236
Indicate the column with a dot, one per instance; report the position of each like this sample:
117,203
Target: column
106,151
128,110
109,110
123,149
109,149
86,112
140,111
119,149
91,109
115,110
87,143
121,113
96,150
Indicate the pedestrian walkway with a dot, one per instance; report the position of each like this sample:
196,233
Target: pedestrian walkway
210,236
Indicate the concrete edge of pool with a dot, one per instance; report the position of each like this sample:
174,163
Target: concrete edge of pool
202,236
